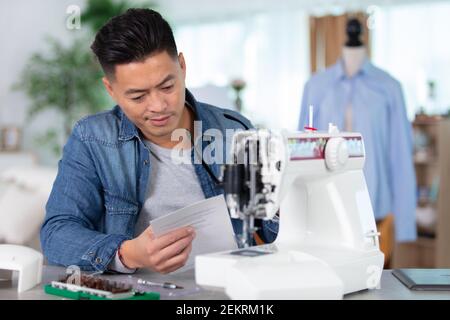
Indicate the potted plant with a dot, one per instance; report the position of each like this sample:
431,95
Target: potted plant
67,78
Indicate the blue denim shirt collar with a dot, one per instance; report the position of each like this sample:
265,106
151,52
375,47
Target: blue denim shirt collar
128,129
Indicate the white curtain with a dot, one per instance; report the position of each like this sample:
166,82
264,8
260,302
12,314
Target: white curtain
412,43
269,51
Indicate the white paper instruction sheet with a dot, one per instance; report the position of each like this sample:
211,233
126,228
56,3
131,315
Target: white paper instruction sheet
212,224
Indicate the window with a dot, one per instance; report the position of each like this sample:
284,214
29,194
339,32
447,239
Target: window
269,51
411,43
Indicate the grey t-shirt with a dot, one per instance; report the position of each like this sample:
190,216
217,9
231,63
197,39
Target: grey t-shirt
172,185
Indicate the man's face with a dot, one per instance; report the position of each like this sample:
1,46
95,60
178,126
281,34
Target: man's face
152,94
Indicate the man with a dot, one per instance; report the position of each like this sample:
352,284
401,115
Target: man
116,171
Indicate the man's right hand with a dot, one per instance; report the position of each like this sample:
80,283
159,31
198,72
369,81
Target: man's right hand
163,254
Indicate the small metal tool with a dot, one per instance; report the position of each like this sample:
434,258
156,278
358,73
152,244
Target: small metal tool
166,285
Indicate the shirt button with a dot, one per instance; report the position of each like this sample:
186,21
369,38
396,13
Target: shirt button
145,162
98,260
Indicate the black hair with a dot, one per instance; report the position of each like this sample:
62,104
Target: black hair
133,37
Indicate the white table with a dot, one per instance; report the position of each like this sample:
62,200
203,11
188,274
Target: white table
390,289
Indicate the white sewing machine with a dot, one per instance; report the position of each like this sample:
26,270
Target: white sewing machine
327,243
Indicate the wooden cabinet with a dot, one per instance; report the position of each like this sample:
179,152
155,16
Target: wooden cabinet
432,164
443,203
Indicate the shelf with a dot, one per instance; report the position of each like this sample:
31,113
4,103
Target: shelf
432,162
426,121
432,247
427,234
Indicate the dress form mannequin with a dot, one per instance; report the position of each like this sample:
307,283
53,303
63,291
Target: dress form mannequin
353,56
359,96
354,52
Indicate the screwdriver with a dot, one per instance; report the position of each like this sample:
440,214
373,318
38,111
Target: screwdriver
166,285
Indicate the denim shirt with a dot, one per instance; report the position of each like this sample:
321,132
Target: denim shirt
379,114
101,186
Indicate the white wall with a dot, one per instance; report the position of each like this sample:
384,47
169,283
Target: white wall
270,52
204,11
24,24
412,43
23,27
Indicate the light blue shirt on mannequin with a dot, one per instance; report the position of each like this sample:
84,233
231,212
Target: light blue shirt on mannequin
379,114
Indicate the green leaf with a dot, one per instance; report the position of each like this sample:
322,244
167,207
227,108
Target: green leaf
67,78
98,12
